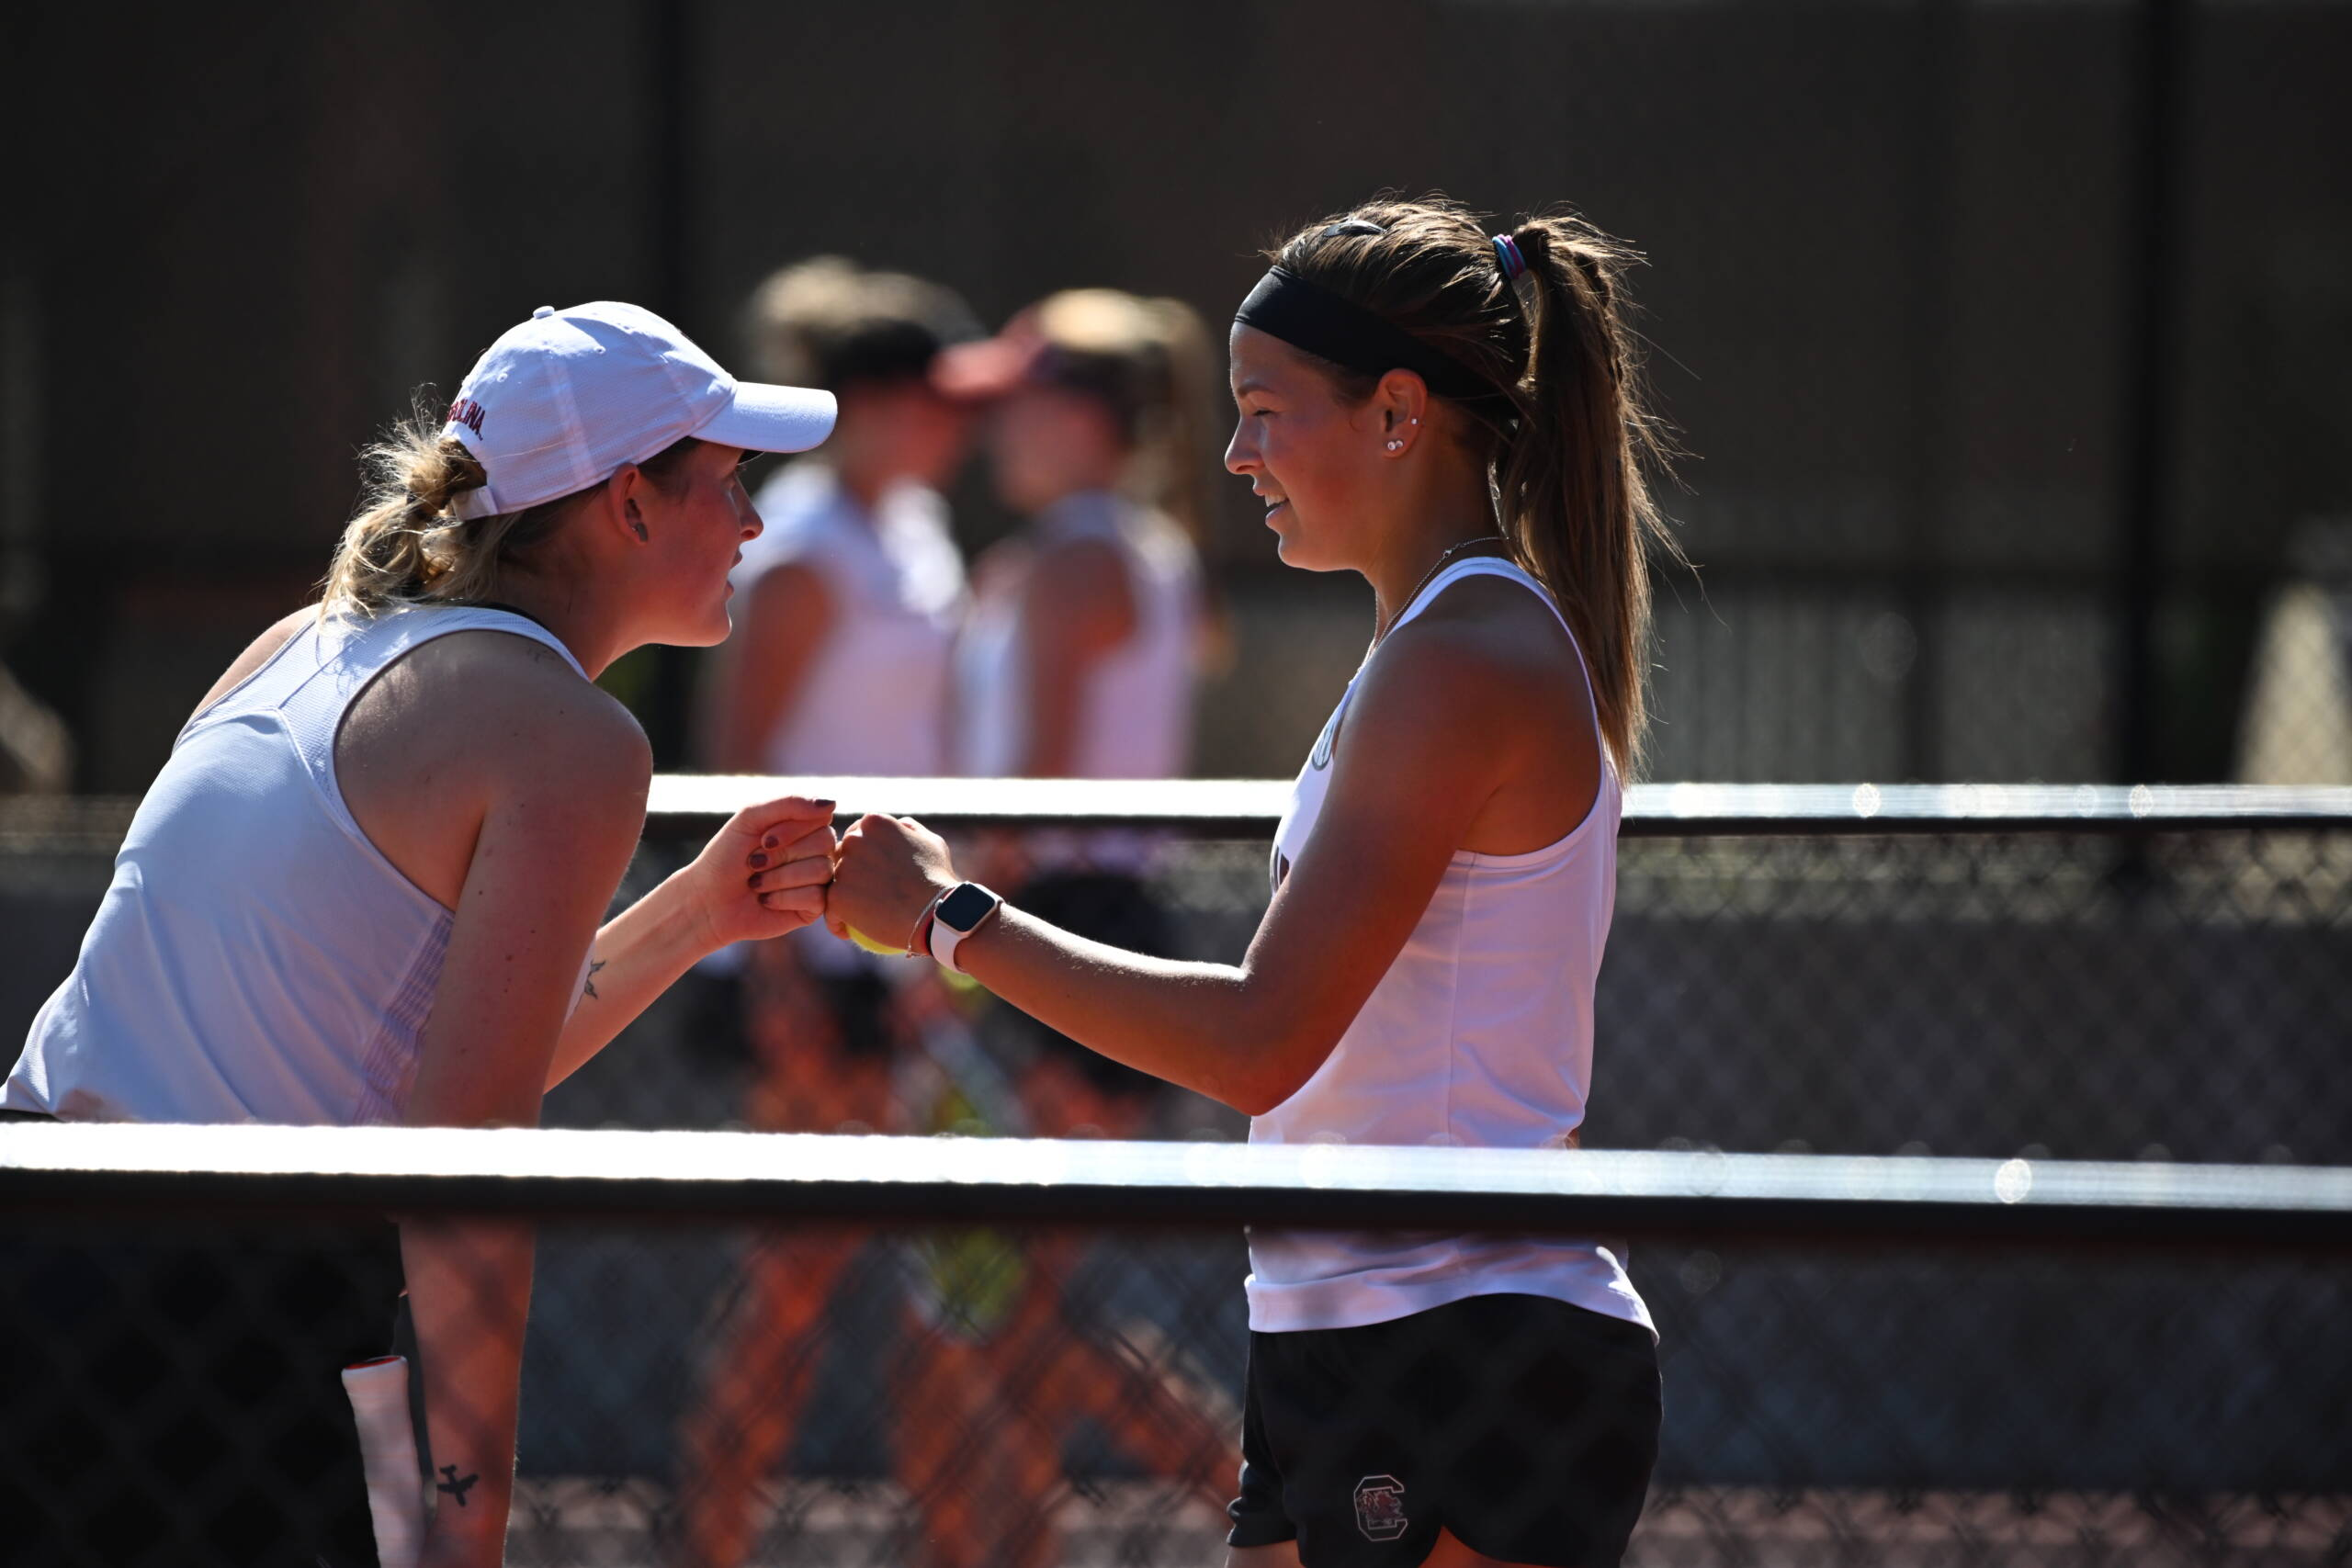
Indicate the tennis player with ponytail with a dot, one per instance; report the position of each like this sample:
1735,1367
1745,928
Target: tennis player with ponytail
1452,415
367,887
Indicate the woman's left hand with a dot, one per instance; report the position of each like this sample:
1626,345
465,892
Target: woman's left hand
765,873
892,869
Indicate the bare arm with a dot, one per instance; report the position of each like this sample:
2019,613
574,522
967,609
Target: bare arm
762,874
762,667
1076,607
1427,739
564,803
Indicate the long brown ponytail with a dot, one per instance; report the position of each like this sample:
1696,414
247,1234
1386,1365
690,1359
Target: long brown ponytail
1571,441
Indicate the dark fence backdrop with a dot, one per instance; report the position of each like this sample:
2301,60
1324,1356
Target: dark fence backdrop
2012,342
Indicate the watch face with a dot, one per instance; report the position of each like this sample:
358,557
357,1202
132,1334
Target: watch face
962,909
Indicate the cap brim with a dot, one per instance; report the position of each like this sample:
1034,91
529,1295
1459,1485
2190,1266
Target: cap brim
763,418
978,372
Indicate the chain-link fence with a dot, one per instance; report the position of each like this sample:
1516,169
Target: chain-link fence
1946,1382
2100,991
2082,974
2103,989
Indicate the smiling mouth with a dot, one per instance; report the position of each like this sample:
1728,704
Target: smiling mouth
1277,506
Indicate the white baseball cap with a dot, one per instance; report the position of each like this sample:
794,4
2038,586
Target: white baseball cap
569,398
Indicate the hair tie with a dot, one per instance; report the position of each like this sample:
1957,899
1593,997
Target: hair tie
1507,256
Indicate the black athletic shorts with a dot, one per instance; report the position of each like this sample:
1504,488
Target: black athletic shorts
175,1400
1525,1426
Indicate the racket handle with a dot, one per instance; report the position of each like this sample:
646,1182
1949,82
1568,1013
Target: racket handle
378,1394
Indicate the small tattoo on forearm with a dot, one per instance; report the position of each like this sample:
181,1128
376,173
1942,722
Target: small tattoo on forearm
455,1486
593,964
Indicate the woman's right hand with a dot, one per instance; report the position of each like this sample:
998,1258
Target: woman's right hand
763,874
891,870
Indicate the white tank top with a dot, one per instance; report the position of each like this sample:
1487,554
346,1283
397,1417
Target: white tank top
1480,1034
257,958
1134,718
872,701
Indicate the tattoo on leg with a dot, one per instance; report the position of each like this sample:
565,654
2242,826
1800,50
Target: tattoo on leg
455,1486
593,964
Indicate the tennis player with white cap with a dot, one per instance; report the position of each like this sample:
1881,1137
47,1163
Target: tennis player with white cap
367,887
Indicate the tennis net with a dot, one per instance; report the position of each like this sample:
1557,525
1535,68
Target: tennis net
972,1350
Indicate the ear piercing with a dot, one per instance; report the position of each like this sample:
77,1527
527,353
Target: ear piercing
1395,444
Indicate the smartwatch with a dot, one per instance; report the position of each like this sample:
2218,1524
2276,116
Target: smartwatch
965,908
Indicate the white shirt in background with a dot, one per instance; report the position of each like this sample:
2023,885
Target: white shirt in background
1134,712
872,701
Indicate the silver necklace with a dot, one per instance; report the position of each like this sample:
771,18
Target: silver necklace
1437,566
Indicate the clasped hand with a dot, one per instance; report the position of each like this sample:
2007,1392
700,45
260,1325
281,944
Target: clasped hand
763,874
891,869
777,866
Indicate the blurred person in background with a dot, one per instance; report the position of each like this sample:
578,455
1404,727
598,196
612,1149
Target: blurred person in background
1080,656
1085,638
847,607
369,886
1079,661
1455,416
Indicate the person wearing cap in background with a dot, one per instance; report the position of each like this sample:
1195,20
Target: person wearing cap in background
1081,654
1077,661
366,886
847,607
848,602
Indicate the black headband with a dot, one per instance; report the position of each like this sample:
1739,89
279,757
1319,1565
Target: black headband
1305,316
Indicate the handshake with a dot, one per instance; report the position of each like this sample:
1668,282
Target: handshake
778,866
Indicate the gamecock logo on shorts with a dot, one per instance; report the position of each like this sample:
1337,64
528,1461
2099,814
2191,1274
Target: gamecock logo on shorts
1380,1507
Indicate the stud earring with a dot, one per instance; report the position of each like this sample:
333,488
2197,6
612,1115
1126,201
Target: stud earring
1395,446
1416,421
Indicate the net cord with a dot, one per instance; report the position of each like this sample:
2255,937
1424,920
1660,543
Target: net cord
736,1177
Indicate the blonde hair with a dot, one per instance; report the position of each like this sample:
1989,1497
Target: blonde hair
407,546
1149,360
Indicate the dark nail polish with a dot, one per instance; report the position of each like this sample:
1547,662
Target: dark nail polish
759,859
769,842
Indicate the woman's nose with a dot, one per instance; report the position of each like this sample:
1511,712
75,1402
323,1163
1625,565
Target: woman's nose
1239,454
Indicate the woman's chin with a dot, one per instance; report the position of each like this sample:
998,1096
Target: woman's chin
1293,551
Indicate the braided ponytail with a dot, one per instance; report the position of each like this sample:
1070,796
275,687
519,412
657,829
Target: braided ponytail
407,546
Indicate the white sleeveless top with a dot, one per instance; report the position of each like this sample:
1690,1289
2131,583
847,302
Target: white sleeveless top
257,958
872,701
1134,718
1479,1034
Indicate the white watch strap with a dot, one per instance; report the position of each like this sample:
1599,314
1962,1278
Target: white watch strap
945,938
